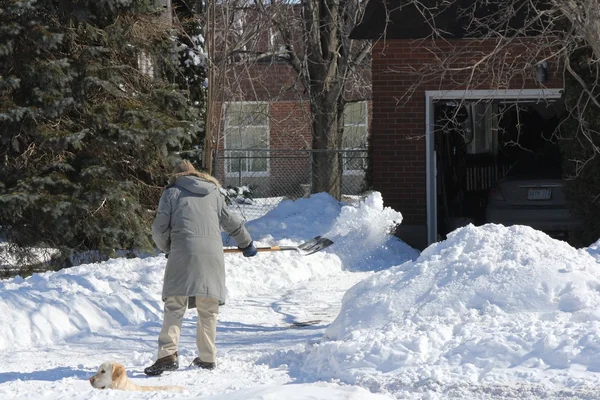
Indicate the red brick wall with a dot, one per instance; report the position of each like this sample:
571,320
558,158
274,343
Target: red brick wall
289,128
402,71
289,124
260,82
278,84
289,111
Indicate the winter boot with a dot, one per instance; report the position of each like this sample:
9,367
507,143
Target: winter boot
168,363
204,365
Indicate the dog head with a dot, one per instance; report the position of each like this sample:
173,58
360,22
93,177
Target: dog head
108,372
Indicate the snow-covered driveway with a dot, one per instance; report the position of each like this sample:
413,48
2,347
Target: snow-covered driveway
490,313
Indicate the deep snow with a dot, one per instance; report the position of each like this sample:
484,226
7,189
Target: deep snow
491,312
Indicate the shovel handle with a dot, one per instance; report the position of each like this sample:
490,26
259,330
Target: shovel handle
312,246
274,248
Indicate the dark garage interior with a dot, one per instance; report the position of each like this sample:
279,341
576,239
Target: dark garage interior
497,160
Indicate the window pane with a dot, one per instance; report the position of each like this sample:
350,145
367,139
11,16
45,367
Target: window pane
258,162
233,139
246,129
255,138
255,114
355,137
234,115
353,164
246,138
354,161
361,137
236,161
355,114
349,135
246,114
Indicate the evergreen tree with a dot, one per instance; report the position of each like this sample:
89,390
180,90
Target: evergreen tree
192,72
90,113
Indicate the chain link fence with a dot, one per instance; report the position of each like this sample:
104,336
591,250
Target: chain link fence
256,181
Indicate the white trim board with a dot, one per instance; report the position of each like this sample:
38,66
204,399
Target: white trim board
430,156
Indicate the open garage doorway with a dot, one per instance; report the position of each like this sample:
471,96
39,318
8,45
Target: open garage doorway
495,159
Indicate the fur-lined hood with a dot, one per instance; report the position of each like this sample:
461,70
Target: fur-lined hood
195,184
197,174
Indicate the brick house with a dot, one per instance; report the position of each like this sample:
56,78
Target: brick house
261,120
415,167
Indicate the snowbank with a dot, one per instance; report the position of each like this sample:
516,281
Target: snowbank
319,390
594,250
363,236
297,220
487,305
92,298
361,231
46,308
50,306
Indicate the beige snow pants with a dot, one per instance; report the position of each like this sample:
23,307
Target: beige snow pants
206,329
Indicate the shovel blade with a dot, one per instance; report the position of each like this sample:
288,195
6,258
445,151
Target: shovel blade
312,246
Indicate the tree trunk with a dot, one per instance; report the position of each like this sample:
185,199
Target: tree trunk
325,76
326,141
313,37
325,103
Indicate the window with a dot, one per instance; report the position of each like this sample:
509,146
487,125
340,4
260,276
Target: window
355,137
246,138
481,128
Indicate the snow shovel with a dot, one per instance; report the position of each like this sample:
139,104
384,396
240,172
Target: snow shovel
312,246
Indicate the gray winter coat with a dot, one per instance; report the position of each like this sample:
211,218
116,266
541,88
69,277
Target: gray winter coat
187,226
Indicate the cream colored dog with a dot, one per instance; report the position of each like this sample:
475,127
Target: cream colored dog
112,375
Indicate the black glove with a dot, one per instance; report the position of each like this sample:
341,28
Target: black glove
249,251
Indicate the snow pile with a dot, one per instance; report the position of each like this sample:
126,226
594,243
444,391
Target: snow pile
93,298
47,308
594,250
490,304
363,236
51,306
360,234
298,220
319,390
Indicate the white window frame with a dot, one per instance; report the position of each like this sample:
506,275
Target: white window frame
366,125
246,173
